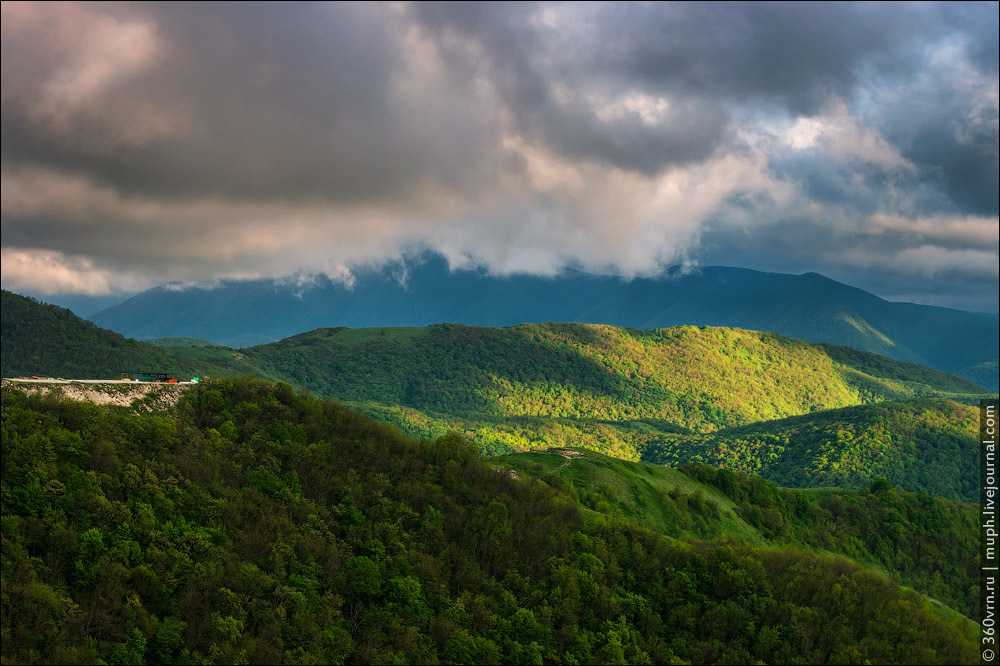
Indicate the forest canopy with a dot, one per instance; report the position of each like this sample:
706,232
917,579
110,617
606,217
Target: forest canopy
254,524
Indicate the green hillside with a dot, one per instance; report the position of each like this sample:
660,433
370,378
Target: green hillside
497,435
926,445
254,525
701,379
929,445
927,543
40,339
669,396
180,342
48,340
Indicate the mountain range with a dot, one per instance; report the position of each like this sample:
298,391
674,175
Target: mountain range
243,313
679,395
252,522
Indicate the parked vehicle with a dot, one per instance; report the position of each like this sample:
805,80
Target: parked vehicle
153,377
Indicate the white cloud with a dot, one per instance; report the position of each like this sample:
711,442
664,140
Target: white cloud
924,260
844,138
974,232
652,110
49,272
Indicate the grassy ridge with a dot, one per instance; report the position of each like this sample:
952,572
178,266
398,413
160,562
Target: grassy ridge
666,499
928,543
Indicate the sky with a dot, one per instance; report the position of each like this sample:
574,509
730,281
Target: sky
187,142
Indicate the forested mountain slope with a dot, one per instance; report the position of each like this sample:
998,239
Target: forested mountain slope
928,543
695,378
656,395
253,524
701,379
41,339
929,445
36,338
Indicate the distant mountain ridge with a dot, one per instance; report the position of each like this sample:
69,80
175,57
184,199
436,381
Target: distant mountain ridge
808,306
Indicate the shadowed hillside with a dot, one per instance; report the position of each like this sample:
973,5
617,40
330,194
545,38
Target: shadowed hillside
36,338
929,543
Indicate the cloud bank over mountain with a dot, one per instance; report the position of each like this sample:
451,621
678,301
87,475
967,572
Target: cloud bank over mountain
151,142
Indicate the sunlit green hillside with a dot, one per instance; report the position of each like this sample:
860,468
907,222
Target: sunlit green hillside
926,445
929,445
701,379
670,396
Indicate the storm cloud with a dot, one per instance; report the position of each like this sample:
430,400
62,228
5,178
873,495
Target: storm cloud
143,143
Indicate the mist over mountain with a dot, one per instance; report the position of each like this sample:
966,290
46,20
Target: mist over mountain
809,306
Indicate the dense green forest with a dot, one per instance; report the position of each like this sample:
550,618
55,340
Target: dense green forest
256,525
39,339
46,340
928,445
672,375
926,542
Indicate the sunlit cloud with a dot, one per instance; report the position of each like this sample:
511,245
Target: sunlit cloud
51,272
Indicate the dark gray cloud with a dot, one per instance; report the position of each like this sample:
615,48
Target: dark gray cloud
794,54
706,57
947,276
146,142
558,87
254,101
